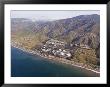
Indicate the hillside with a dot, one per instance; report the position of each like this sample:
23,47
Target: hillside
82,29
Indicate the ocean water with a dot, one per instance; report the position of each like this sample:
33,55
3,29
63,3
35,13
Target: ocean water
27,65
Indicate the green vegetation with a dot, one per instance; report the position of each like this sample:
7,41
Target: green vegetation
29,40
86,56
77,30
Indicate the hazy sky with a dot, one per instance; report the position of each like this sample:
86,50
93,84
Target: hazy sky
49,15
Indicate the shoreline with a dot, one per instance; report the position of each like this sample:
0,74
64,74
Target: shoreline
57,59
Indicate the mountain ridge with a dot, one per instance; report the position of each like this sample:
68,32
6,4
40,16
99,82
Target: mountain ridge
82,29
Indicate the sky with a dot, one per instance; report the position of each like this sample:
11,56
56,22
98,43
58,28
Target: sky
50,15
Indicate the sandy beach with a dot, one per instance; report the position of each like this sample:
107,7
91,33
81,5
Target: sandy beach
57,59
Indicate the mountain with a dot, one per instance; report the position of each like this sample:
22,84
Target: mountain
82,29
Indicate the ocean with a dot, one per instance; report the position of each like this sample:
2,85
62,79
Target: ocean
27,65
